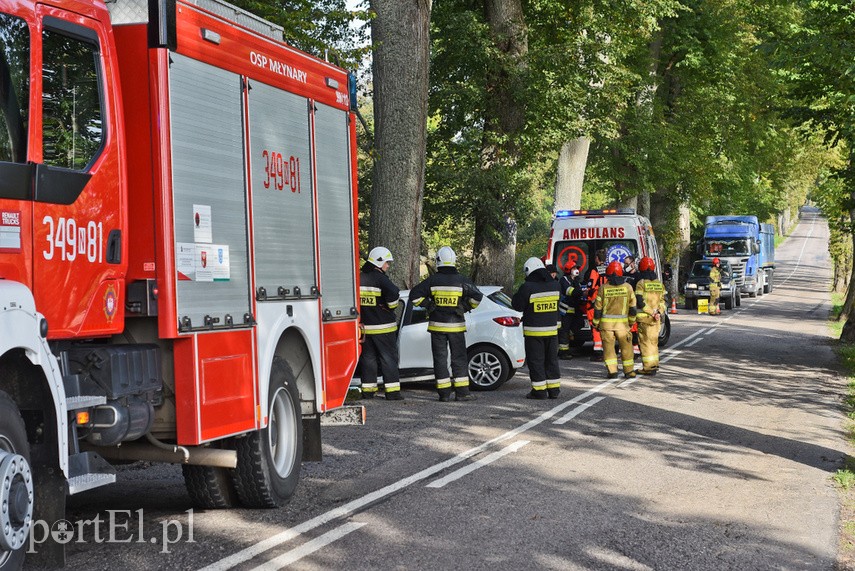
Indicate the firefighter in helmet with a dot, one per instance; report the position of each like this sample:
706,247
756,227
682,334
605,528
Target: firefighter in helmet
569,308
650,300
447,295
715,287
378,298
614,315
537,299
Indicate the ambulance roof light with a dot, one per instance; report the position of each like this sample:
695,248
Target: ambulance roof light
571,213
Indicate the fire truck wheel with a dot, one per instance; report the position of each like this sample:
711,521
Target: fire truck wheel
16,493
268,465
210,487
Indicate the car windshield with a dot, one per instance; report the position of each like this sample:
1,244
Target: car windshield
501,298
727,248
702,269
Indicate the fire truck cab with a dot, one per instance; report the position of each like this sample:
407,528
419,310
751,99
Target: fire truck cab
577,235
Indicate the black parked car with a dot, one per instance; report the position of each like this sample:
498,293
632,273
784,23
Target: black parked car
698,285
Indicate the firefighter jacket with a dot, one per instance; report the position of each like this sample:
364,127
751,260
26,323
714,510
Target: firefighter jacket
447,296
378,298
715,276
570,299
596,278
650,298
537,299
614,308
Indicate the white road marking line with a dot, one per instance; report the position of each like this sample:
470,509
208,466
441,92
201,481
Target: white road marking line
627,382
669,357
459,473
801,253
695,342
577,411
309,547
683,342
347,509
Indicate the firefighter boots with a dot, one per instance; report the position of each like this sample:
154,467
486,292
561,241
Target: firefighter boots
394,395
536,395
553,393
465,397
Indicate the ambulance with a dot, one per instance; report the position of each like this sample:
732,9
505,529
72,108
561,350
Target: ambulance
577,235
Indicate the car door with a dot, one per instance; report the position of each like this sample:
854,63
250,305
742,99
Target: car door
414,339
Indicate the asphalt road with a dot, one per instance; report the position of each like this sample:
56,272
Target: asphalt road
722,461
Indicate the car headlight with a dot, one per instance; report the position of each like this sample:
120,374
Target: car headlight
691,286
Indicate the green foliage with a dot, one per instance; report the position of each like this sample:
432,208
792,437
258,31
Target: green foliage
324,28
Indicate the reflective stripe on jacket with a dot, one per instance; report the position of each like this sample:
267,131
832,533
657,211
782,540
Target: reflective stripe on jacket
537,299
378,298
614,308
447,296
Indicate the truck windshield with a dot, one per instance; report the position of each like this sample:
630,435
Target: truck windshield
14,88
738,247
582,252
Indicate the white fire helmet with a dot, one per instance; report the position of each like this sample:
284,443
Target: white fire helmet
379,256
446,258
532,264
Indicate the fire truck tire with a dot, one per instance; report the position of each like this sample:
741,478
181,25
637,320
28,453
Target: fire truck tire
16,521
210,487
268,467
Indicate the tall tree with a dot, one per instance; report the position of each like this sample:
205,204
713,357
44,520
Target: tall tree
401,40
495,224
822,76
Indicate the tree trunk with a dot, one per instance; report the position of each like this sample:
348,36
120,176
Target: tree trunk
496,231
572,161
848,333
400,36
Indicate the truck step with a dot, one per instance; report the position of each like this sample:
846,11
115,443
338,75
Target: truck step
76,403
88,470
80,394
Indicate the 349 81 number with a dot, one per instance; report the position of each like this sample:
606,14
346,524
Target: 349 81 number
281,172
68,240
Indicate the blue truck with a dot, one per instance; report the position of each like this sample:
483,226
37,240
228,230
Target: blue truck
748,245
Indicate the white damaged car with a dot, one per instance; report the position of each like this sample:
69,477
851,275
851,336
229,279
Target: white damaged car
494,341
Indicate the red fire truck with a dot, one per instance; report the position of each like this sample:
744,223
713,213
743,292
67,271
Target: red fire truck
178,251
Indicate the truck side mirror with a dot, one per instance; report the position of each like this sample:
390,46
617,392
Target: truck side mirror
756,247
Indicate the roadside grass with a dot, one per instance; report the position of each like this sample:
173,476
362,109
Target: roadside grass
844,478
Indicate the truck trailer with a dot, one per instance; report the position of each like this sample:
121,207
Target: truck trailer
748,245
178,252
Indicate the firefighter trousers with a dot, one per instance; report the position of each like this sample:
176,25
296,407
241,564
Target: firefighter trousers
648,342
440,343
571,324
715,295
624,338
380,349
541,357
